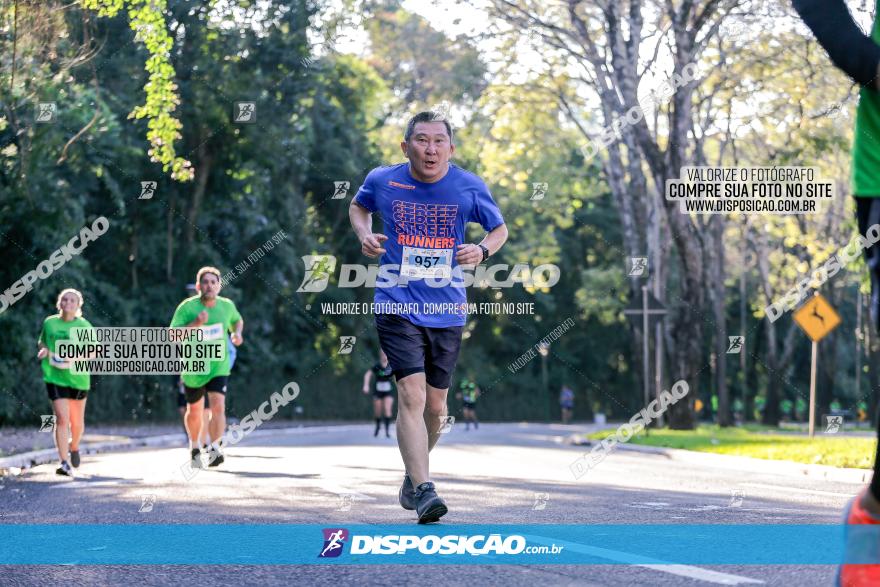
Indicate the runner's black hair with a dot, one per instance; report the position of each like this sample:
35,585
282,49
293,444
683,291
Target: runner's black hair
426,116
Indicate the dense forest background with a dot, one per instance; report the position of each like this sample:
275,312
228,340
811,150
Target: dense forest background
333,86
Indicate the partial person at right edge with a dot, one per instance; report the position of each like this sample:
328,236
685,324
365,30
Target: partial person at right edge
858,56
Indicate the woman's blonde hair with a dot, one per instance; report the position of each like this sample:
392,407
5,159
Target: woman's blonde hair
78,295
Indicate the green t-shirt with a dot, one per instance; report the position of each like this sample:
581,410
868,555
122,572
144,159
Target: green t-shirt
221,318
54,370
469,394
866,144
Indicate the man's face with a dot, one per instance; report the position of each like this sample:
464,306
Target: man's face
428,151
209,286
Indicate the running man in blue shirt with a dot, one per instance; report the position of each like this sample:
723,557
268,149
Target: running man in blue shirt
425,206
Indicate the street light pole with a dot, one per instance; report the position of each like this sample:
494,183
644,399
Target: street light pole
544,350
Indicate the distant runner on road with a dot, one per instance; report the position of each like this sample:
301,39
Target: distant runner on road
67,391
468,394
215,315
566,403
205,438
383,394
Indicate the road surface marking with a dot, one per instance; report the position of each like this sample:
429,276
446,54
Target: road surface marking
780,488
75,484
340,490
650,563
703,574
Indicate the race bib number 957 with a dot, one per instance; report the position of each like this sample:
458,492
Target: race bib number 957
423,263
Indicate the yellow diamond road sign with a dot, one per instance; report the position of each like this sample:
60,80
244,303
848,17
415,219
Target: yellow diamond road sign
817,318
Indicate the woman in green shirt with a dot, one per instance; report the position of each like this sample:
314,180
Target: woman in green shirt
67,391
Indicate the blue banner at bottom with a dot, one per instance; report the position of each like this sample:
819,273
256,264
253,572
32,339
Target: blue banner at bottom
267,544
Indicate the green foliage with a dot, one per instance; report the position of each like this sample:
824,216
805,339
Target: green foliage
147,19
325,117
768,444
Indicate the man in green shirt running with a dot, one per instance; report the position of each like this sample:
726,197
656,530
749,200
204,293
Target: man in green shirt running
215,316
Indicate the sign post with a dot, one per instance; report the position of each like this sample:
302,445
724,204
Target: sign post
649,308
816,318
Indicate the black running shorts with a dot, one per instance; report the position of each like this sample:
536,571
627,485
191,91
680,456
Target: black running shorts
62,392
217,384
419,349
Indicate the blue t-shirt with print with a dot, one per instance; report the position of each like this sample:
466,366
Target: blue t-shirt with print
425,223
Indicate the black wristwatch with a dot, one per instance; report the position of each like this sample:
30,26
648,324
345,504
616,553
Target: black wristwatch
485,252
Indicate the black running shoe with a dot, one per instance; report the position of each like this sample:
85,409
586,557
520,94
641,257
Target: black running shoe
64,469
74,458
429,506
196,456
216,458
407,494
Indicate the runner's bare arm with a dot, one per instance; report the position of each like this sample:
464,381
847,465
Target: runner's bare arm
236,333
495,239
847,46
367,376
362,223
470,254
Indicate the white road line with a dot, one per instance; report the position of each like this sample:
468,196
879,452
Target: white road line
636,560
340,490
703,574
782,489
75,484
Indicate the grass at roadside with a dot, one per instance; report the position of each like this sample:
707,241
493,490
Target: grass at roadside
763,443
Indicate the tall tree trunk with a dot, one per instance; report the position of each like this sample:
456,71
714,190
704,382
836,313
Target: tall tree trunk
770,417
169,238
719,315
133,255
751,377
203,171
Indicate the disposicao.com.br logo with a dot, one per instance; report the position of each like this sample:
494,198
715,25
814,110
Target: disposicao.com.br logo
320,268
431,544
334,541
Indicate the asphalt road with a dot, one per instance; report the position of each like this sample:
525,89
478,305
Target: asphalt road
500,474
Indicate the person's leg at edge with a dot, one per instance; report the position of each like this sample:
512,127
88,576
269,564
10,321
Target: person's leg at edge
435,413
868,214
61,407
377,414
870,500
77,411
193,422
218,416
412,436
205,438
387,404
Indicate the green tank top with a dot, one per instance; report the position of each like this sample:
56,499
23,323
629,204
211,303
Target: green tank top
866,144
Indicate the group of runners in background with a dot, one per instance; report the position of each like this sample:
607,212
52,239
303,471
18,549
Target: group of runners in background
203,395
200,399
